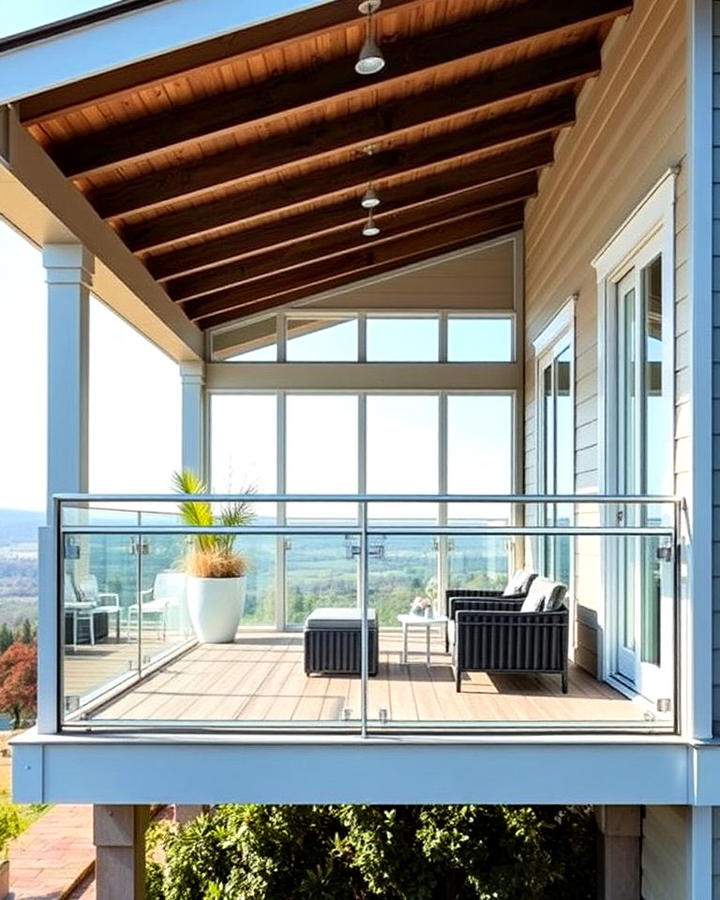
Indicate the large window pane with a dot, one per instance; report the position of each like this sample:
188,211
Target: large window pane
322,340
480,453
322,451
402,451
402,339
243,442
480,339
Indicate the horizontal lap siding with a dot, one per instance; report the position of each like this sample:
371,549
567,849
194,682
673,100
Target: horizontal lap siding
630,130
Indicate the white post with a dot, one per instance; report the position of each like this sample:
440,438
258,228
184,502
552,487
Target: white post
193,416
69,269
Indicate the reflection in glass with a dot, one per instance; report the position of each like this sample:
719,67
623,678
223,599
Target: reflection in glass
322,340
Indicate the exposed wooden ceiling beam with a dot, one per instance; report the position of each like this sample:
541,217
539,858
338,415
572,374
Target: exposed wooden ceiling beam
510,82
458,182
392,224
194,60
256,307
357,261
227,112
210,215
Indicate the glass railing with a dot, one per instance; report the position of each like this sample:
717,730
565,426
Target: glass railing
369,614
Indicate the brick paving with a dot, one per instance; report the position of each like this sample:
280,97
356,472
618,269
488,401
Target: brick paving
55,853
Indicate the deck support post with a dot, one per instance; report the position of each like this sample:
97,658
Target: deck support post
192,375
119,836
69,271
619,852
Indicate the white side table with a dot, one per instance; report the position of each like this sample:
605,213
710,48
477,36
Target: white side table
408,620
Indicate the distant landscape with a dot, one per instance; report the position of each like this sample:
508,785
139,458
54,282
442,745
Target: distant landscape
321,570
18,565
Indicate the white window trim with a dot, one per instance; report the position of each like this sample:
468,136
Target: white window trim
561,326
647,232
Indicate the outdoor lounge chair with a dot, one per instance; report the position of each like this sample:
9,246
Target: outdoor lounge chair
463,598
505,637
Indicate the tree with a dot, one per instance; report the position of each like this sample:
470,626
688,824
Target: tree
6,637
18,679
27,633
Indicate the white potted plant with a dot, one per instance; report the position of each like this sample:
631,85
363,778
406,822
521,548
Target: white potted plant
215,570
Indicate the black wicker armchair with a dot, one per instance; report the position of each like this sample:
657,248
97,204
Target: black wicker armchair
511,636
456,599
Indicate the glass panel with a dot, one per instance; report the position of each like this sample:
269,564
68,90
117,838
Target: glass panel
243,442
480,339
564,464
247,343
267,353
321,572
627,440
480,453
657,457
322,340
402,452
99,587
322,452
478,562
402,339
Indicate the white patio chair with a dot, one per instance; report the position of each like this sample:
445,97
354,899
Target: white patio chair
166,594
103,601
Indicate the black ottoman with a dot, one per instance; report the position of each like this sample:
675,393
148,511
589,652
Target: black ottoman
332,642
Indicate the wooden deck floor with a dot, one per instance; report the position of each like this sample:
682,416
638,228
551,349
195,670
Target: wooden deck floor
260,678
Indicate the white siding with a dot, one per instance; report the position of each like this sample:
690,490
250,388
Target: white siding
630,130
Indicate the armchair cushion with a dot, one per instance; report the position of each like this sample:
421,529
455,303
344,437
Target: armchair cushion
520,582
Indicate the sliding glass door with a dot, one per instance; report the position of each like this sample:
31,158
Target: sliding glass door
641,463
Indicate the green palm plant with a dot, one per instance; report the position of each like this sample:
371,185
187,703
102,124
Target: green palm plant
212,555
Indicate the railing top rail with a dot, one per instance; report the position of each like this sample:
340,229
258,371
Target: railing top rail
374,530
629,499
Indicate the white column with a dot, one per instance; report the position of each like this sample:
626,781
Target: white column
192,375
69,269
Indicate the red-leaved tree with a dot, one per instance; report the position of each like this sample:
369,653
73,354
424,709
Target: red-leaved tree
18,683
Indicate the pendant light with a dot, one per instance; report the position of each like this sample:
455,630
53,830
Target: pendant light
370,61
370,228
370,198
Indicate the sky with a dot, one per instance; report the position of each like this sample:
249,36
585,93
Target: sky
18,16
134,392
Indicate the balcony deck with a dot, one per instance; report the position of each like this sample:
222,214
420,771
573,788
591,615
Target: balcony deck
260,678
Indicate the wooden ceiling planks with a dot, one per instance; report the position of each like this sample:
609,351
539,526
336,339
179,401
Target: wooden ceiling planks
233,169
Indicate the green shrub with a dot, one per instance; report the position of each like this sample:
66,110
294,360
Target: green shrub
364,852
10,826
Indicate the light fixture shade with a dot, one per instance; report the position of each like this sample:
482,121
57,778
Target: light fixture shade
371,60
370,229
370,199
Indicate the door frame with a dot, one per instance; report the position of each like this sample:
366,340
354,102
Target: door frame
649,231
557,334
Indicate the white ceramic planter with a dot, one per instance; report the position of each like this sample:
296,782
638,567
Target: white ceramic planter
4,878
215,606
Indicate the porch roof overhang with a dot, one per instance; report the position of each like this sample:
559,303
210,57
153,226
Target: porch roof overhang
225,174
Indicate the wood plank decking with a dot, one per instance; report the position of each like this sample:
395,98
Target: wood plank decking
260,678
